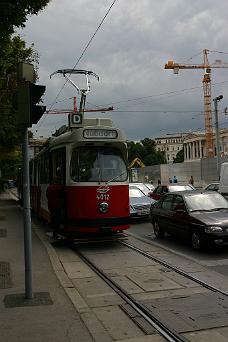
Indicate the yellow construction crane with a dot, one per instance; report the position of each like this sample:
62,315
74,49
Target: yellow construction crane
137,161
207,93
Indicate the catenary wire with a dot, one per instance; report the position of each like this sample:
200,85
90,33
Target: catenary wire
86,47
82,54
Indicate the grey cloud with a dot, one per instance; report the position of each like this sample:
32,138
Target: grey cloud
129,53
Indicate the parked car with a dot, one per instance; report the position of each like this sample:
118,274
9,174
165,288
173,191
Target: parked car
142,186
200,217
161,190
9,183
212,187
150,186
139,203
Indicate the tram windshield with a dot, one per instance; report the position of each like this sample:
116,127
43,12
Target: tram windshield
98,164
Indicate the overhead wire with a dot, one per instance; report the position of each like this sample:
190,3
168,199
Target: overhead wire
83,52
86,47
172,93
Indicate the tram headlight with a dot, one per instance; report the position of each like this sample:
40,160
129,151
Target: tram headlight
103,207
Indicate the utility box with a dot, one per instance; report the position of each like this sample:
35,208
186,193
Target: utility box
134,175
223,182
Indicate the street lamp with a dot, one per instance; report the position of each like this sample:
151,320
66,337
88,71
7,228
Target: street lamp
216,100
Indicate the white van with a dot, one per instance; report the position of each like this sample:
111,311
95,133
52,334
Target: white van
223,182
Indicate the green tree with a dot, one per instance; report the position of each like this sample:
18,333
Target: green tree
179,157
146,151
13,14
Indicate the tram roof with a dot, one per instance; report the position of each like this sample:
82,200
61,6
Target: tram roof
94,129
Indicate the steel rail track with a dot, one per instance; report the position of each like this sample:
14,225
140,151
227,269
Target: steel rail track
174,268
167,332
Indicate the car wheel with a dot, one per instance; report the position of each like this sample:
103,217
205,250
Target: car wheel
196,240
158,232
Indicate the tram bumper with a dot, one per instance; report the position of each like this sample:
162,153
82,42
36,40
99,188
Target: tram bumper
96,225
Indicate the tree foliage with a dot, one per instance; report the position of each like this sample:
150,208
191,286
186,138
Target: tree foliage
145,150
179,157
13,14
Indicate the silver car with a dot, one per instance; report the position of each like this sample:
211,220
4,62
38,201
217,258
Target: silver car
139,203
143,187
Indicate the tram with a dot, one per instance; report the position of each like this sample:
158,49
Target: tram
79,180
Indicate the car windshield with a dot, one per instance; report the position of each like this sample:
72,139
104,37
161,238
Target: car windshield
134,192
142,187
180,188
210,201
149,186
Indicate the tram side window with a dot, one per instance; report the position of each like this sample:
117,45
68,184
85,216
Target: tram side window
31,172
44,169
58,166
74,167
35,172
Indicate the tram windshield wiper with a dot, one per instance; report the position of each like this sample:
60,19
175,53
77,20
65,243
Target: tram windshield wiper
116,177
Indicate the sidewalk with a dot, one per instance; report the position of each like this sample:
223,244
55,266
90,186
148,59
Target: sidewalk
72,304
54,318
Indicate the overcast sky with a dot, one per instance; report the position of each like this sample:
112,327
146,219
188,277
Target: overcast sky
128,53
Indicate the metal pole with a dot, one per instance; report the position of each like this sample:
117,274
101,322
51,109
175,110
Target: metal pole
218,156
27,218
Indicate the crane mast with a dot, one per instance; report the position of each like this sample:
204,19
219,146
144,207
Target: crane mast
207,107
207,93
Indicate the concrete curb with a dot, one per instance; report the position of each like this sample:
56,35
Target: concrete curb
66,283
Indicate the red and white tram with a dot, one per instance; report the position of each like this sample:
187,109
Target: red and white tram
79,181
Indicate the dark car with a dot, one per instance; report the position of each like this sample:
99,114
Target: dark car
139,203
212,187
200,217
161,190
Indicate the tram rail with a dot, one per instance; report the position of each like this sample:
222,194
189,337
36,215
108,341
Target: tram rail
155,321
163,329
175,269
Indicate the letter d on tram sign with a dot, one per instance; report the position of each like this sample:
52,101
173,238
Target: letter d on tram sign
75,120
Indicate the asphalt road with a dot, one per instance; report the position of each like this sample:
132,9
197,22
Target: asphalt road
216,258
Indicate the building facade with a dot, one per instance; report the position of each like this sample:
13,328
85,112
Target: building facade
170,145
35,145
194,145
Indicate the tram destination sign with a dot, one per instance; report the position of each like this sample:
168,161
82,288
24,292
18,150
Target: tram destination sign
100,133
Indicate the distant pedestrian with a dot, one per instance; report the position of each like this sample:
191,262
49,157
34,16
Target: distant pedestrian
191,181
159,181
170,180
174,179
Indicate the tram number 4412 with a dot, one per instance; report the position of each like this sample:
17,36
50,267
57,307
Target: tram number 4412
103,197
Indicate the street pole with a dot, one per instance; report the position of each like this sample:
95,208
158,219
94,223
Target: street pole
218,155
27,217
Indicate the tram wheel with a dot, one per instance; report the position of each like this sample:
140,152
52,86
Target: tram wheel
158,231
196,241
